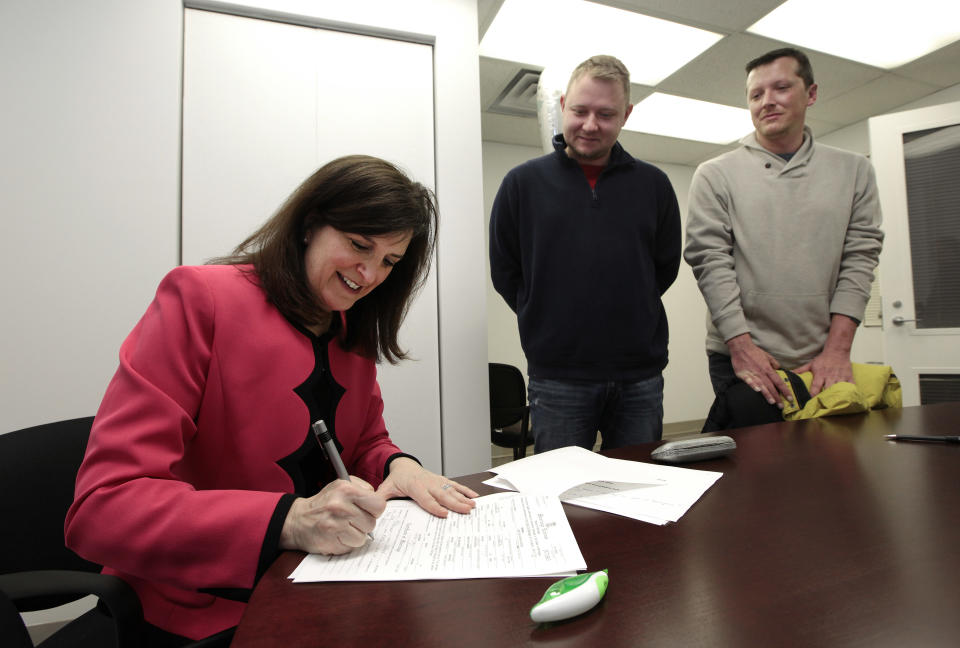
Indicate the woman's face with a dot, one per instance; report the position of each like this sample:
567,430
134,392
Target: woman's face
342,267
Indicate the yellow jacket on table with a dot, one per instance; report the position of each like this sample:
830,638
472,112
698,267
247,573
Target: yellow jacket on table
873,387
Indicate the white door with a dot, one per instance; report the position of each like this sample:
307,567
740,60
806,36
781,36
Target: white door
264,105
916,155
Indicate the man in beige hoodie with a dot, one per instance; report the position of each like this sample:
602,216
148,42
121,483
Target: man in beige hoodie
783,235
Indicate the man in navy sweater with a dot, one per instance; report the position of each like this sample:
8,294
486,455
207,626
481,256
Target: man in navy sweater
584,241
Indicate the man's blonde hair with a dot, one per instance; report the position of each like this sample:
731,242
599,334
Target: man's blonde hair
607,68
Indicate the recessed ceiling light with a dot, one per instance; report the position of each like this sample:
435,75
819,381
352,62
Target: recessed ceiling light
703,121
562,33
881,33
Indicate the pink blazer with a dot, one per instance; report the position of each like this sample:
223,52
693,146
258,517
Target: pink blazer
180,481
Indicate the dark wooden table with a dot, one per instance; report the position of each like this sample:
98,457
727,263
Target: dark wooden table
820,533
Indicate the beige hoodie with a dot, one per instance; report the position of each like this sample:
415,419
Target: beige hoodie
778,246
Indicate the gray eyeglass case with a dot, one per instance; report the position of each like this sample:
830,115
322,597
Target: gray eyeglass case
698,449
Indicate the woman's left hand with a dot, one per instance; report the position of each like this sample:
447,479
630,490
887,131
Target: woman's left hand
434,493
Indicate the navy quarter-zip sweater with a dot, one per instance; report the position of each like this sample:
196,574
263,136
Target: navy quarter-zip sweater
584,269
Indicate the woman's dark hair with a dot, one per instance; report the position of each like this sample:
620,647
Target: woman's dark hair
361,195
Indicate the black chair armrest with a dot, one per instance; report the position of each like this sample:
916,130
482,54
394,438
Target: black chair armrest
12,629
28,589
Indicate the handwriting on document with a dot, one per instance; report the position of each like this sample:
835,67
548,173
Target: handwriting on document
507,534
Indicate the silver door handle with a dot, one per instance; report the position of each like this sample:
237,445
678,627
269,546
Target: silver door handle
900,321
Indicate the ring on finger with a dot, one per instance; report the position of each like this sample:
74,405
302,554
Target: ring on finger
446,486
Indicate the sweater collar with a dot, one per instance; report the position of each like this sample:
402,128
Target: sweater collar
800,158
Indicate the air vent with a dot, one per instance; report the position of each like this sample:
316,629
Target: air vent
519,96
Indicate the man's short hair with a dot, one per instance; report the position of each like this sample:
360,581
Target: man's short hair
804,69
608,68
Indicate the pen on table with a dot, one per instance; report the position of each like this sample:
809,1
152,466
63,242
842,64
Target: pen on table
330,449
920,437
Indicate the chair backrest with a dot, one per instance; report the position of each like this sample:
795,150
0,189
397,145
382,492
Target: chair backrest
38,470
508,395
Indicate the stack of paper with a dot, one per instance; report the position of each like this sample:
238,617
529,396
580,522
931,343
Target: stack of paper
648,492
506,534
524,533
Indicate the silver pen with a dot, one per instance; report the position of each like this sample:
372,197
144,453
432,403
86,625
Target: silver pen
330,449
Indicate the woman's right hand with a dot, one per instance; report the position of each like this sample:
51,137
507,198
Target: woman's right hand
335,520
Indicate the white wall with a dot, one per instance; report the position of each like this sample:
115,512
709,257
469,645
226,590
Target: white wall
689,395
89,176
503,338
89,196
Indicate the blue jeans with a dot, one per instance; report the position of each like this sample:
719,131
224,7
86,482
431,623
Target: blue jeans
570,412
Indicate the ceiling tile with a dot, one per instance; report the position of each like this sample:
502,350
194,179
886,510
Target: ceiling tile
486,12
820,126
847,91
657,148
721,16
836,76
639,92
940,68
713,76
879,96
524,131
718,74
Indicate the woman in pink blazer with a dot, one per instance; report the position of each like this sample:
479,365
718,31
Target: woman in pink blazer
201,465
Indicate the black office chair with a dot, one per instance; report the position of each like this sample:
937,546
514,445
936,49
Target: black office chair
38,468
509,412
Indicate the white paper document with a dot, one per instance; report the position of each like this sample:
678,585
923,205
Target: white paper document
556,471
642,491
506,534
